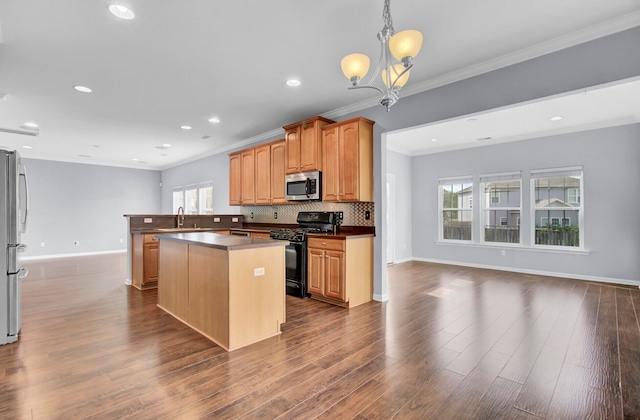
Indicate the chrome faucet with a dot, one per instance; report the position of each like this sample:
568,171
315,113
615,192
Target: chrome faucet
180,217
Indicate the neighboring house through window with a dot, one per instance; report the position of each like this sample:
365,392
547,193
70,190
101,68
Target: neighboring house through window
456,215
558,210
501,207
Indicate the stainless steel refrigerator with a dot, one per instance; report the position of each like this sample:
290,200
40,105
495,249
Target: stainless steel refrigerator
14,203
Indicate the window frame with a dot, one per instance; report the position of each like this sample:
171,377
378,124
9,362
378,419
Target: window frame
574,171
442,182
487,201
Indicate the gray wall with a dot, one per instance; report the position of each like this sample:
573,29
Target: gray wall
85,203
610,166
400,166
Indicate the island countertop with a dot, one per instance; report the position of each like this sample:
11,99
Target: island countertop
220,241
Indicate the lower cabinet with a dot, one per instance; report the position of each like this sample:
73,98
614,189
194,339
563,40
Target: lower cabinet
340,271
145,261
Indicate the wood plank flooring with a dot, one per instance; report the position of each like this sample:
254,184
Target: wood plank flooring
451,343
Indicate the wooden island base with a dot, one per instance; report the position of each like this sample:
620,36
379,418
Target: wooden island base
235,296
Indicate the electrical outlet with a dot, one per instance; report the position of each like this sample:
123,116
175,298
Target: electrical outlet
340,215
121,240
258,271
367,215
252,215
275,214
216,220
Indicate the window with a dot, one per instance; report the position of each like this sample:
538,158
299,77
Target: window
495,196
191,199
573,195
178,199
556,195
501,201
205,198
456,215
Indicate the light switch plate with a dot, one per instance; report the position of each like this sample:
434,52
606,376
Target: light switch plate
148,220
258,272
216,220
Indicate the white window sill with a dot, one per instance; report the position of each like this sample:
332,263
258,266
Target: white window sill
554,249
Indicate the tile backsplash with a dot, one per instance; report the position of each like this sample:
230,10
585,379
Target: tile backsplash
354,213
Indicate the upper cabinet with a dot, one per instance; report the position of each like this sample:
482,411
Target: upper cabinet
347,171
235,179
304,145
257,175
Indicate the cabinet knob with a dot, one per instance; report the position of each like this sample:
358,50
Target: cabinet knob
324,243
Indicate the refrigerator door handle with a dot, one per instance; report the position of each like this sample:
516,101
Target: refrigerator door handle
24,192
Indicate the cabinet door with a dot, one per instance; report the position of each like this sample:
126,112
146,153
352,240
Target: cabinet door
278,172
263,174
292,140
349,161
248,177
315,271
310,147
235,179
330,165
150,263
334,274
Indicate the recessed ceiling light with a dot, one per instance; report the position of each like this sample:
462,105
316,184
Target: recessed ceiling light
293,82
85,156
121,12
95,146
31,124
214,120
166,145
135,159
27,147
556,118
82,89
434,139
205,137
163,154
185,127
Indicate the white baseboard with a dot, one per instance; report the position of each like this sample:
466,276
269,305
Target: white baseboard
380,298
536,272
81,254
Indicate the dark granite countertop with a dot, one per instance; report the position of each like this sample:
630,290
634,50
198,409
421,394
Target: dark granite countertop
225,242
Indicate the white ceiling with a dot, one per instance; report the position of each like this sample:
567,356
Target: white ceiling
180,63
603,106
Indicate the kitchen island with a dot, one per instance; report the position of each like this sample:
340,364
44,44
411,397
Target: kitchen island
231,289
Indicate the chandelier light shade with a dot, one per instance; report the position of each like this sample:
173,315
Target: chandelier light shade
397,52
405,44
355,66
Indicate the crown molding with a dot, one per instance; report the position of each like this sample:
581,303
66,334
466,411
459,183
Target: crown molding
581,36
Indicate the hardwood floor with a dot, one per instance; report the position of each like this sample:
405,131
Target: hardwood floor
451,342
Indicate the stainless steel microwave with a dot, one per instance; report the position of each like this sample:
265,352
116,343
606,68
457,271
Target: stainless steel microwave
304,186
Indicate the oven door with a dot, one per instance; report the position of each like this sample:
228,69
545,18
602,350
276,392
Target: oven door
296,269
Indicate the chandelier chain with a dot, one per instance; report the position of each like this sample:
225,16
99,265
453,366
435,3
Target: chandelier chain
386,17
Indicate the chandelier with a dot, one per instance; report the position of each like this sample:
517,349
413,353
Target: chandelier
403,46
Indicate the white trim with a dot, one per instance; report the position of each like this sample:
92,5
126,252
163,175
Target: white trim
380,298
80,254
612,26
538,248
535,272
446,180
551,172
501,176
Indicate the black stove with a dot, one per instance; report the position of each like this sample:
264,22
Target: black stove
296,251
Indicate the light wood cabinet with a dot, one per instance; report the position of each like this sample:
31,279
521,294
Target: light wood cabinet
261,235
144,261
304,145
235,179
257,175
340,271
263,174
347,149
248,177
278,172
